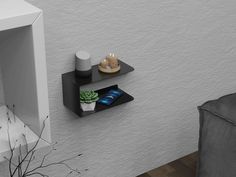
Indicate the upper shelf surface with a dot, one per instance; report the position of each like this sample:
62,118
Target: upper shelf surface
97,75
16,13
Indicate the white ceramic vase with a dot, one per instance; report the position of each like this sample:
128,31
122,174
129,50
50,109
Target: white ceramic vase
88,107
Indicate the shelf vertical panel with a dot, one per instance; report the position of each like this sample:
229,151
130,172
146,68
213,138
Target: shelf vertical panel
71,93
41,76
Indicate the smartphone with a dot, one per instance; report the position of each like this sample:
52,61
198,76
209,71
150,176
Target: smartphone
110,97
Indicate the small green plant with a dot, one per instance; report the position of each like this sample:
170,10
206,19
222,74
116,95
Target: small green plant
88,96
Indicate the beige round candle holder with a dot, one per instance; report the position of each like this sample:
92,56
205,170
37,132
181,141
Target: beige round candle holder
109,70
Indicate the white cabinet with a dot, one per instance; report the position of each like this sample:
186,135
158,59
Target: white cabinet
23,71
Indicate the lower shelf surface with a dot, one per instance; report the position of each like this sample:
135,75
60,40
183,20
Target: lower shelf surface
71,98
99,107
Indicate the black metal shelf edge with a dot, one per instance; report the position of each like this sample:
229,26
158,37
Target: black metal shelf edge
97,75
125,98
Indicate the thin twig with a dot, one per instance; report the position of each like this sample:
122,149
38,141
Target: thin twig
37,173
62,162
29,161
9,161
19,159
26,143
8,115
19,168
11,150
30,156
14,113
33,148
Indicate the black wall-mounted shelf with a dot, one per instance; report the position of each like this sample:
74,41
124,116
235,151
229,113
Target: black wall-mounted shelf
71,89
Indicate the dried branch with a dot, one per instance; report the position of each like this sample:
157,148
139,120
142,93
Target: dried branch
21,168
9,143
8,115
26,144
31,150
9,161
37,173
29,161
13,110
63,162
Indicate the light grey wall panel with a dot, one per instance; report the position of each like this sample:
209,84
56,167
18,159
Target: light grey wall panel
3,38
183,52
19,75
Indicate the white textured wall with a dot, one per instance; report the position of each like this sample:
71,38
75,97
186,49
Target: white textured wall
183,52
